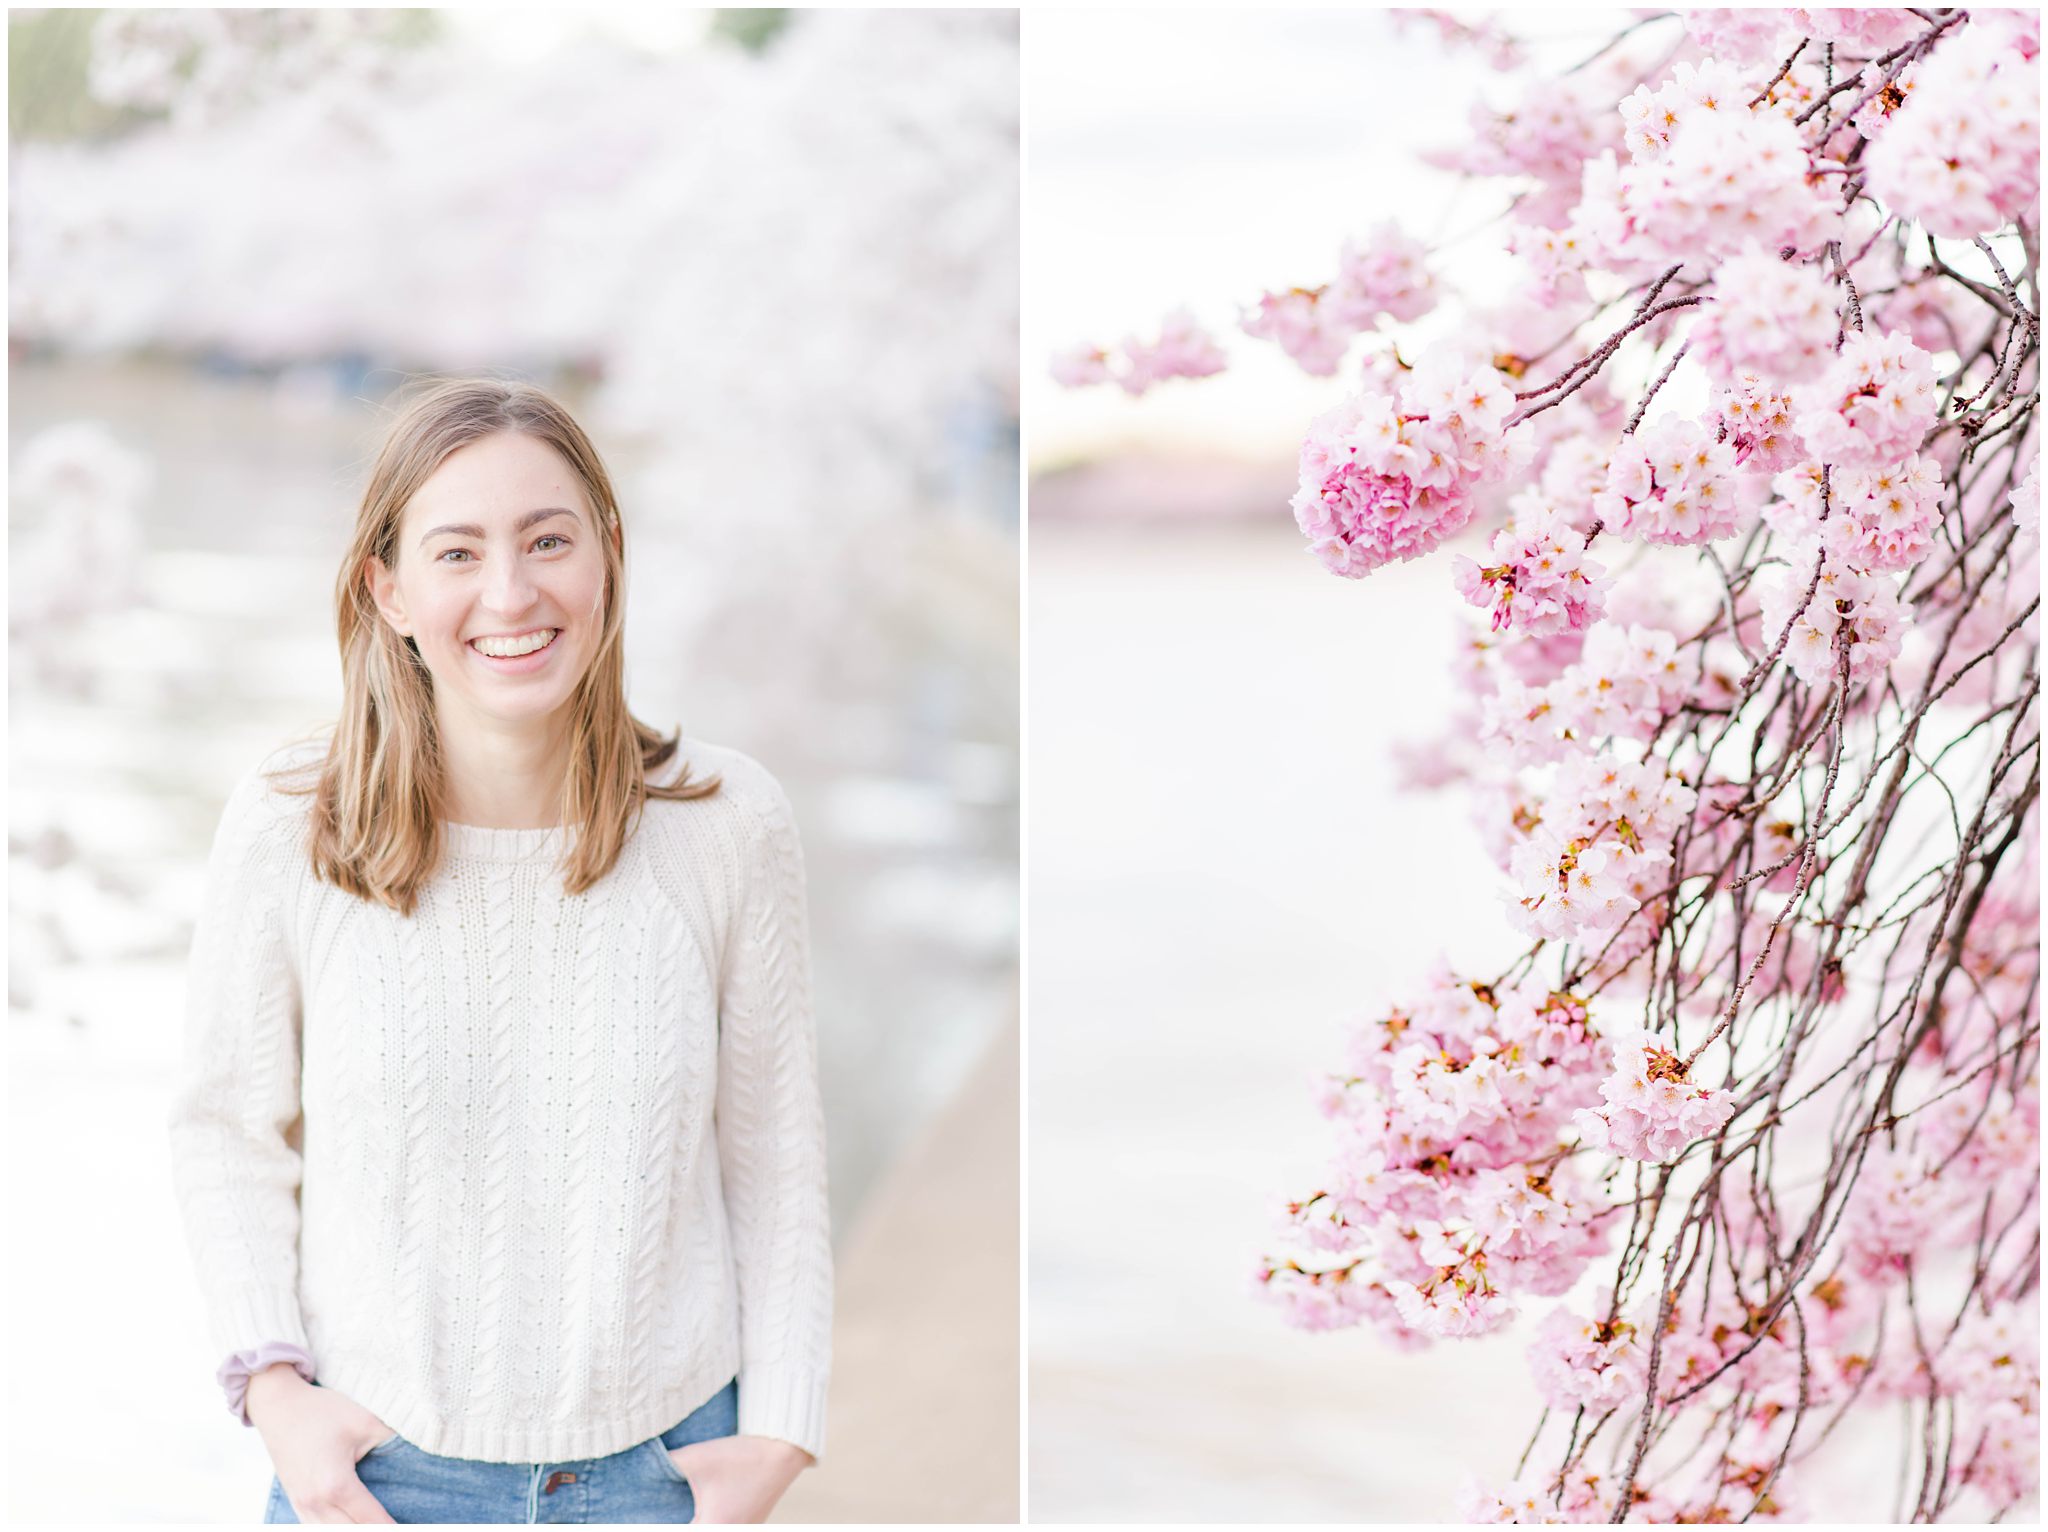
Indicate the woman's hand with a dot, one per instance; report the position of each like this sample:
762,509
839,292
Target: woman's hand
738,1478
315,1437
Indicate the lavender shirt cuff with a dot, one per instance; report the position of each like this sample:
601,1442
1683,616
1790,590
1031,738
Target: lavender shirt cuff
238,1369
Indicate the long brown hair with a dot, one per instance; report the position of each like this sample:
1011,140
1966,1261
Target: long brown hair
377,805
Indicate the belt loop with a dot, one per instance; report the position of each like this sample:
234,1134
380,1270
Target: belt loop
533,1496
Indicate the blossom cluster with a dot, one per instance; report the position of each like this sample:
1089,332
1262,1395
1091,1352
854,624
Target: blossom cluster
1596,1365
1182,349
1547,134
1454,1194
1962,156
1539,578
1752,416
1876,518
1305,322
1776,317
1707,175
1386,479
1873,405
1937,315
1968,1160
1650,1109
1829,607
1762,35
1674,482
1578,1499
1866,30
1626,682
1385,276
1749,36
1556,260
1971,1142
1600,847
1828,369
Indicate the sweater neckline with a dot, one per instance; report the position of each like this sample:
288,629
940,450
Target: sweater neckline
484,844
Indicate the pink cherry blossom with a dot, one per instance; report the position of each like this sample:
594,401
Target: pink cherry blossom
1746,36
1626,681
1385,480
1962,155
1878,518
1864,31
1182,349
1451,1305
1824,603
1308,323
1547,134
1653,1110
1539,578
1597,850
1385,274
1576,1501
1556,259
1079,366
1673,482
1747,729
1707,175
1873,406
1772,317
1756,420
1588,1364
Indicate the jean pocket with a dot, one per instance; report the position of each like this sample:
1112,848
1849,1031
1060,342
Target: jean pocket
393,1440
666,1464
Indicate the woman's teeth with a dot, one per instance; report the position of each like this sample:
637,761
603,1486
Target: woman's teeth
512,648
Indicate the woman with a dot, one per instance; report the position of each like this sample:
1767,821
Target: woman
499,1146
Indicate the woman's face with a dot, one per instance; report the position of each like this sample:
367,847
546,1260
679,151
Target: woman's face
499,579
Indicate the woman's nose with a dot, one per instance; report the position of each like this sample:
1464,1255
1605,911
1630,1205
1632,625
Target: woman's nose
508,588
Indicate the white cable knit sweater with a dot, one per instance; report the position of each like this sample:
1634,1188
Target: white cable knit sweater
531,1176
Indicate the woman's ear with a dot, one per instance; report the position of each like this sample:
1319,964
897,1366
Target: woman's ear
384,591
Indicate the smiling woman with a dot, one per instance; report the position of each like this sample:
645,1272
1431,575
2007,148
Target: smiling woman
449,560
508,593
499,1143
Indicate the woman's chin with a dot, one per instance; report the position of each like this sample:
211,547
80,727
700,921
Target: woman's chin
513,703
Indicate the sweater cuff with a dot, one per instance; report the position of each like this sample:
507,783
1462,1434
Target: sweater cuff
248,1317
238,1369
785,1401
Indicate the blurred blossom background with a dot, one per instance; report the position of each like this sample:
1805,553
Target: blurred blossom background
770,259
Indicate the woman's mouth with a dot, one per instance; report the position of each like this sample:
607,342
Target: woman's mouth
514,646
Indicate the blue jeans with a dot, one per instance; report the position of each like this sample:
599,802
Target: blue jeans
640,1484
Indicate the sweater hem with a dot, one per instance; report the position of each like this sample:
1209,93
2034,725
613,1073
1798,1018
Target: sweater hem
486,1441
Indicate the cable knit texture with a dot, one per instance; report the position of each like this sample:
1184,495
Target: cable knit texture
531,1176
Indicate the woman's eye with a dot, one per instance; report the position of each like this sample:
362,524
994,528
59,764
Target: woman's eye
551,537
452,556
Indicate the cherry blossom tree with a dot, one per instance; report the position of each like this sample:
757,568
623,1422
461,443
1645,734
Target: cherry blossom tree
1750,1130
353,196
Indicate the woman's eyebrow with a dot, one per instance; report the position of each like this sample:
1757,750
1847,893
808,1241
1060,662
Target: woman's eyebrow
471,529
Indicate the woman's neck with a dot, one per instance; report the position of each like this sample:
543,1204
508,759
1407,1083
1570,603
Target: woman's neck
503,778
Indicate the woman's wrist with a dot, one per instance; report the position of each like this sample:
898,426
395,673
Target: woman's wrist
796,1456
273,1382
234,1373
